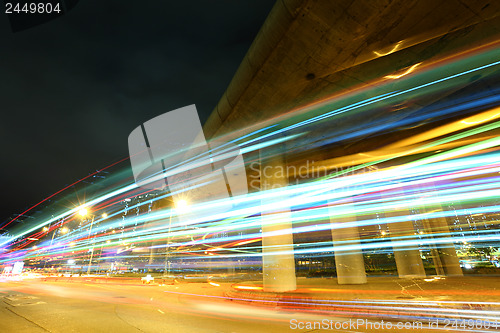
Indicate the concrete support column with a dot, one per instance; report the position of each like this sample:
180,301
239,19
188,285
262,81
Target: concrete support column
277,250
447,261
408,260
436,259
350,264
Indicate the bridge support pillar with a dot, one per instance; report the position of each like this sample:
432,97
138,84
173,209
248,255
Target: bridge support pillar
446,260
408,260
278,262
349,264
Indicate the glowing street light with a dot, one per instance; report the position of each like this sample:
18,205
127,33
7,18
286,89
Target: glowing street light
45,229
181,205
104,215
83,212
64,230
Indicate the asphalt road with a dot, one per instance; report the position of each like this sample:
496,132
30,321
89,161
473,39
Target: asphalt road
40,306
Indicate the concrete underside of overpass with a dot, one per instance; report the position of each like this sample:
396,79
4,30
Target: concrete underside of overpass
312,50
307,50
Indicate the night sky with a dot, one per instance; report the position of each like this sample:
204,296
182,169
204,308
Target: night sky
74,88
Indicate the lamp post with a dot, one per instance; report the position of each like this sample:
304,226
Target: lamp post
83,212
46,229
180,206
168,246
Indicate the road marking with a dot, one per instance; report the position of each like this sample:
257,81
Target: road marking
29,300
19,297
26,304
161,311
96,286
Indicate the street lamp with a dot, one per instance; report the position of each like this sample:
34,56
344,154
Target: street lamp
181,206
84,212
62,230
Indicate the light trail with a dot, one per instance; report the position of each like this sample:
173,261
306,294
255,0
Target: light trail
443,164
